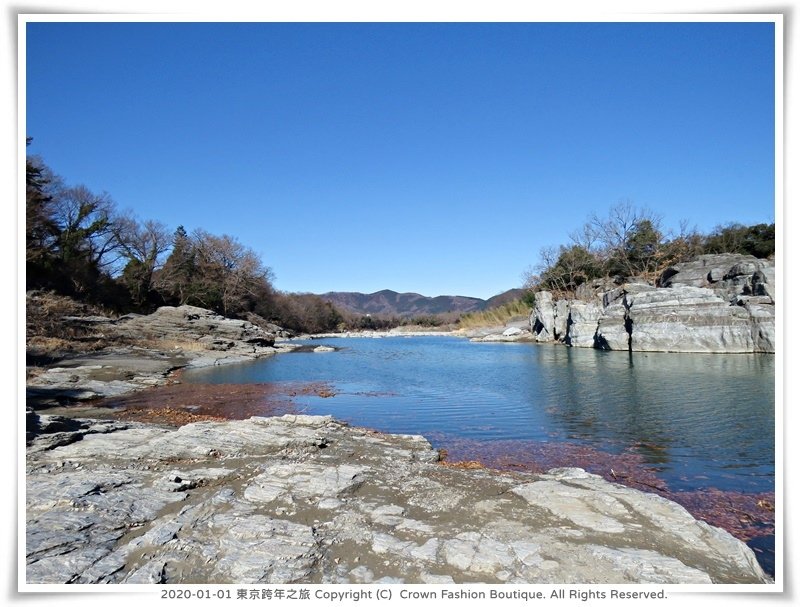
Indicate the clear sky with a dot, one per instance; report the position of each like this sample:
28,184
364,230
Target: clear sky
434,158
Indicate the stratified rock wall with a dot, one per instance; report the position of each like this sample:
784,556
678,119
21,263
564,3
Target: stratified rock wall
582,324
716,303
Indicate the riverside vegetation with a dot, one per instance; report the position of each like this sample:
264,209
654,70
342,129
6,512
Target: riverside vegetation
296,498
78,244
116,305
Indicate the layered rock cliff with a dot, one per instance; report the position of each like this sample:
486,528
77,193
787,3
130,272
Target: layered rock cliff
715,303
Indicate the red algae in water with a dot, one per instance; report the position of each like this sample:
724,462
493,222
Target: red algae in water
180,403
743,515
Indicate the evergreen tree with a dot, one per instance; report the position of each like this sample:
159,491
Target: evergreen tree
41,230
174,280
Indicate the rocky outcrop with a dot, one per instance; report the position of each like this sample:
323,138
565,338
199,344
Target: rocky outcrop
581,324
727,274
190,324
308,499
716,303
143,350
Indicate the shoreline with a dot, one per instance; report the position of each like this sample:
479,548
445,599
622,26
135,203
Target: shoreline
384,508
511,332
115,372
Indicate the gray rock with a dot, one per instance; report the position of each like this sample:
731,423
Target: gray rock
582,324
543,316
762,321
561,325
158,343
763,282
613,330
704,269
514,335
727,274
714,304
308,499
687,319
190,323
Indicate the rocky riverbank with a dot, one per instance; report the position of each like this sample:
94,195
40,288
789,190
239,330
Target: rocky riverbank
143,351
309,499
296,498
715,304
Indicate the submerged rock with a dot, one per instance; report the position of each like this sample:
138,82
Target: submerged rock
309,499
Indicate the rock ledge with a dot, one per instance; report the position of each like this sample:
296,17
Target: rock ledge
144,350
309,499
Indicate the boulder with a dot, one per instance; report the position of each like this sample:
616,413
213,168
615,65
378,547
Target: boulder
701,271
324,349
727,274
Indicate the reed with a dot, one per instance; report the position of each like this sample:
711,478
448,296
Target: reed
496,316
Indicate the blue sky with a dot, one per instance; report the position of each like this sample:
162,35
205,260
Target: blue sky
435,158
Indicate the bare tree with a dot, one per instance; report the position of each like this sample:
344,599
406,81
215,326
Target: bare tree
227,272
142,246
587,236
85,243
629,238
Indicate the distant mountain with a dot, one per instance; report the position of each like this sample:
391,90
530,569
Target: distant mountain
389,303
503,298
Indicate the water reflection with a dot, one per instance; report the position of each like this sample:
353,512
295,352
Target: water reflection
700,427
669,407
701,420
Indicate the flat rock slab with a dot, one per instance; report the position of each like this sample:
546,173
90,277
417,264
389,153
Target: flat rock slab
111,372
309,499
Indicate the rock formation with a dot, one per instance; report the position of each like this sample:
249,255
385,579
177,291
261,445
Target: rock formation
716,303
186,325
143,350
308,499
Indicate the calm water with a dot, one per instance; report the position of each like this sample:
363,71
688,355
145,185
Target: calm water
698,421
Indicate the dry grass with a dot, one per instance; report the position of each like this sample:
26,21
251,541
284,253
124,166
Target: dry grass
49,338
496,316
44,314
44,350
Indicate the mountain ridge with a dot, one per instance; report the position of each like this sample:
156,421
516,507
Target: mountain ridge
387,302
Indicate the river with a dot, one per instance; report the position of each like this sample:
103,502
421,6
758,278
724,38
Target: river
697,428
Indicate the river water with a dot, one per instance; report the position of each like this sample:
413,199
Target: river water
698,428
